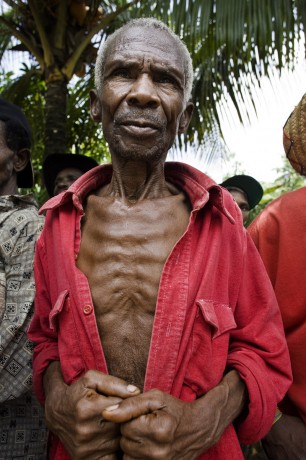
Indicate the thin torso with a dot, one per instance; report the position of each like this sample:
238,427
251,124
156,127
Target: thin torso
123,250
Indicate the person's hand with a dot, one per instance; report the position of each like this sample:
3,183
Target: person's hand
155,425
74,413
286,439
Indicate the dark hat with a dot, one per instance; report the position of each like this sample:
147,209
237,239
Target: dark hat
56,162
248,185
12,113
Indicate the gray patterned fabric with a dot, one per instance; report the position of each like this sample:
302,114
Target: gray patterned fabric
22,430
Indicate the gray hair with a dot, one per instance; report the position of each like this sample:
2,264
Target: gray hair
148,23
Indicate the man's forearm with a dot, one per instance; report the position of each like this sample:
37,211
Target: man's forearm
235,396
225,402
53,377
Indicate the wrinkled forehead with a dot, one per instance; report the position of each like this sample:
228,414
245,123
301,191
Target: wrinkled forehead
151,43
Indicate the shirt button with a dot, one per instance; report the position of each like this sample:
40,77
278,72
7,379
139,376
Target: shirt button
87,309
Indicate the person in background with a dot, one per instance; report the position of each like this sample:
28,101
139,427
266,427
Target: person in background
157,333
60,170
280,237
246,191
22,428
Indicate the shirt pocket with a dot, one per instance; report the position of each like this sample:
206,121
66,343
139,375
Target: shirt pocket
208,345
62,321
219,316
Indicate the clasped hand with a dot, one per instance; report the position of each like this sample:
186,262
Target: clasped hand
100,414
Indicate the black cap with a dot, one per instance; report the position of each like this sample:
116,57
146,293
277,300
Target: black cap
248,185
13,113
56,162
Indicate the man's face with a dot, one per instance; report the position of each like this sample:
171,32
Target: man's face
65,178
242,202
141,104
6,161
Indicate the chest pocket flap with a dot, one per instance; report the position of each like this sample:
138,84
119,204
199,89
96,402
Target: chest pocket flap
219,316
58,307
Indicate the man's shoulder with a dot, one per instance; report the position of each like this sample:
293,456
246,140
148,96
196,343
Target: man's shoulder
20,227
293,197
24,216
289,202
20,209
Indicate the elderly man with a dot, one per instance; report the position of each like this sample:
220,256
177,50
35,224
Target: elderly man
157,331
22,429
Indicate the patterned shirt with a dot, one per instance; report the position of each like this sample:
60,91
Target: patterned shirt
22,430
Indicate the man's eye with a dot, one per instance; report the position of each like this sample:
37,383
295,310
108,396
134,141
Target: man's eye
166,79
122,73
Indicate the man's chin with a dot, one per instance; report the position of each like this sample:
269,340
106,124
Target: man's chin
138,151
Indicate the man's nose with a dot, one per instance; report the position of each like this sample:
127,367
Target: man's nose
63,183
143,92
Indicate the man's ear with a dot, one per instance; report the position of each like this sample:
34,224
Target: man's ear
95,106
21,159
185,118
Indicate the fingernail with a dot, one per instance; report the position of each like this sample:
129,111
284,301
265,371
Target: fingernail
112,408
132,388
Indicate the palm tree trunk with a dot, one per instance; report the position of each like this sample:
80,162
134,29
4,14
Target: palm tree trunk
55,117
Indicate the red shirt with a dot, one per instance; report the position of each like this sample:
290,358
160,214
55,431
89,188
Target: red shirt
280,236
215,310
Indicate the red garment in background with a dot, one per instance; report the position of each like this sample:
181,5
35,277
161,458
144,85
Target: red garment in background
215,310
279,233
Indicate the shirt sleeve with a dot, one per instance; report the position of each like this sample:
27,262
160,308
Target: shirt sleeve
44,337
18,237
262,363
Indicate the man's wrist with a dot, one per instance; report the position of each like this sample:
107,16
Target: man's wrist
235,396
52,377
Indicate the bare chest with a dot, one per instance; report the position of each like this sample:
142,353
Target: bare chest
123,252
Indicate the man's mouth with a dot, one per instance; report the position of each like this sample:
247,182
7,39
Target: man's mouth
139,127
140,124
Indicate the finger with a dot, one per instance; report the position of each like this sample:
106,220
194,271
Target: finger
92,405
132,408
143,449
109,385
157,427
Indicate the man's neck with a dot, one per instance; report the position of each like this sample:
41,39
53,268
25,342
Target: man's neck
135,180
9,188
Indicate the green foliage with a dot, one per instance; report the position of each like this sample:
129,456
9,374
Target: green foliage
84,135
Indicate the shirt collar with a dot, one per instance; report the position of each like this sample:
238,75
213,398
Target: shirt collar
199,187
